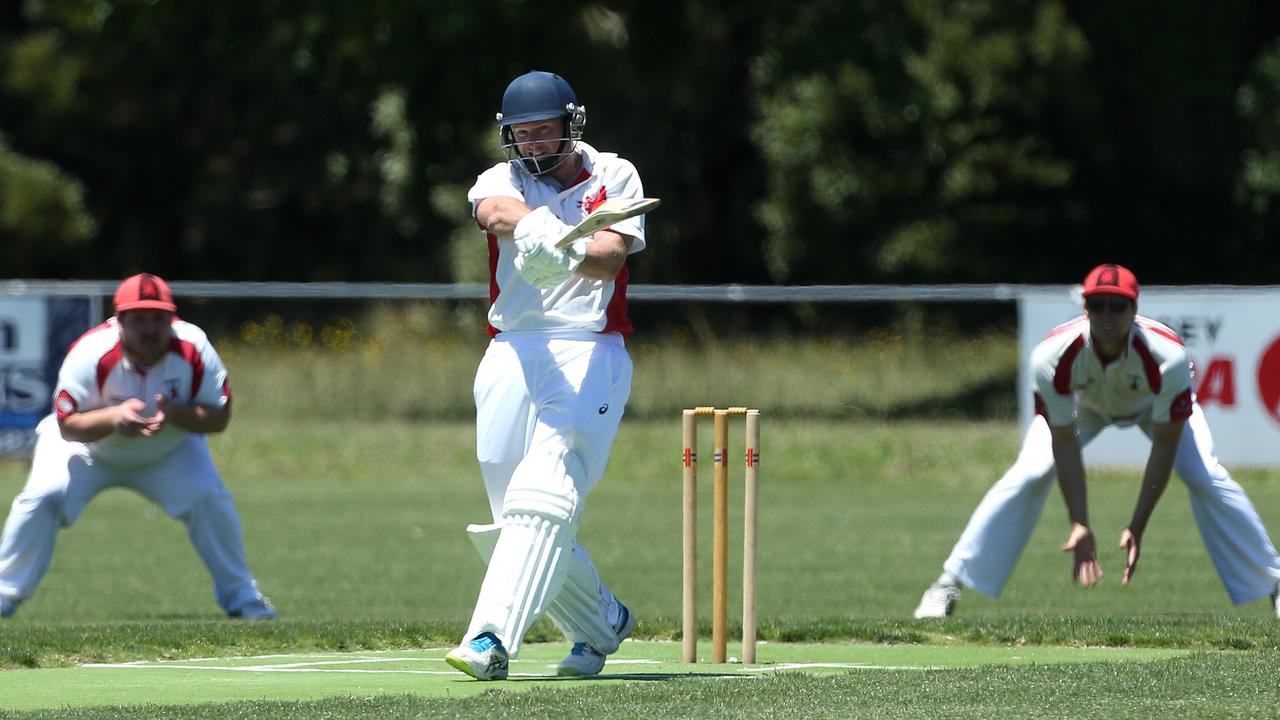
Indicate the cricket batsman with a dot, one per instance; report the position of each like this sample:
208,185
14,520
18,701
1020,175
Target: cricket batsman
553,383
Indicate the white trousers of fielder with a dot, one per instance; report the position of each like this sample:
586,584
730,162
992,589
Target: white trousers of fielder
547,411
1246,561
64,478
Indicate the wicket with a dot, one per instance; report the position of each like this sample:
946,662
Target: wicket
720,533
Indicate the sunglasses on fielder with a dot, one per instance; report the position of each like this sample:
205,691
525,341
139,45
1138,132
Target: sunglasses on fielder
1114,304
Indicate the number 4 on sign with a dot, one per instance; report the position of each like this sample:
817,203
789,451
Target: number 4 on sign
606,214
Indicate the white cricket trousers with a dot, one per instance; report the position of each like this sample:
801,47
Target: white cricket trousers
538,394
64,478
984,556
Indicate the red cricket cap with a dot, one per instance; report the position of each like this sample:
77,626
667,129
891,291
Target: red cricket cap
1111,279
144,292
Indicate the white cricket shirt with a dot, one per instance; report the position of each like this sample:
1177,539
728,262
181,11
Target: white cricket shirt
96,374
1152,375
579,303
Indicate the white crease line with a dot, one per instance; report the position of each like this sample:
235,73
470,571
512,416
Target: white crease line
268,669
280,669
350,661
837,666
367,653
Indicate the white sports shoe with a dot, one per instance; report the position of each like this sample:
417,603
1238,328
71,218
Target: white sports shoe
483,658
584,660
258,608
1275,600
938,601
8,606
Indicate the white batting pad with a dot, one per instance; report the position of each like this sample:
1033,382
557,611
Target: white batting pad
584,610
530,559
584,606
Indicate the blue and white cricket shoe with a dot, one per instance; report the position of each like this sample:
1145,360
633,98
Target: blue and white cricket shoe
1275,600
584,660
483,658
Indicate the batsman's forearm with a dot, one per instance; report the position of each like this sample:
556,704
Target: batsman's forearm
499,215
1070,466
606,253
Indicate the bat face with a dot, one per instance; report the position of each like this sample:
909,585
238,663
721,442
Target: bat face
608,213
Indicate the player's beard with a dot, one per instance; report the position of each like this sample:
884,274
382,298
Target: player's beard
147,349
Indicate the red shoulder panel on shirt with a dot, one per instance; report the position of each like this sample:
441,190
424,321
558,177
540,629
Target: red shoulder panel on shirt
107,362
1062,375
1160,329
1149,364
187,351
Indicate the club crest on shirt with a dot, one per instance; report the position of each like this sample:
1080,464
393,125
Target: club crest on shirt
171,387
591,202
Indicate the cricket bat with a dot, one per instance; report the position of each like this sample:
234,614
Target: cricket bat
606,214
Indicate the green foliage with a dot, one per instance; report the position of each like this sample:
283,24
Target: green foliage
804,142
43,219
922,136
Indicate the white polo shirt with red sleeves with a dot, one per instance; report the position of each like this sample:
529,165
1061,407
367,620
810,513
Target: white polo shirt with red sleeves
1153,376
97,373
579,303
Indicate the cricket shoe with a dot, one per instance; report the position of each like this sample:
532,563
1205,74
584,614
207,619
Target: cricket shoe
1275,600
584,660
483,658
8,606
258,608
939,601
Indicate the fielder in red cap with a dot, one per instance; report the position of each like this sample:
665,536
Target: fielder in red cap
134,400
1110,366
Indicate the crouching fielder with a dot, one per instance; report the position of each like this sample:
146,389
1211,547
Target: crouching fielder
1110,366
553,383
135,397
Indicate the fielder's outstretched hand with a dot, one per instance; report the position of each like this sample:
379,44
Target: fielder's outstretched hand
1129,541
1084,566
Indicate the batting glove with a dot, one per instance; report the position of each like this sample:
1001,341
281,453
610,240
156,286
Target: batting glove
538,260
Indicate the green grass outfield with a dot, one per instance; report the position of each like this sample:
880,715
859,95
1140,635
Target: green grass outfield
356,532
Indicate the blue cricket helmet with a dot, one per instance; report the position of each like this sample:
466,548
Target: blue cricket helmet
536,95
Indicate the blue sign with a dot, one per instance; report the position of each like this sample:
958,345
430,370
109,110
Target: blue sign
35,333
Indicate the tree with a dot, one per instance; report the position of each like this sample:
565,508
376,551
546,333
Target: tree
925,146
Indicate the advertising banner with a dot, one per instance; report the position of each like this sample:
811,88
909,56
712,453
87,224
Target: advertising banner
35,333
